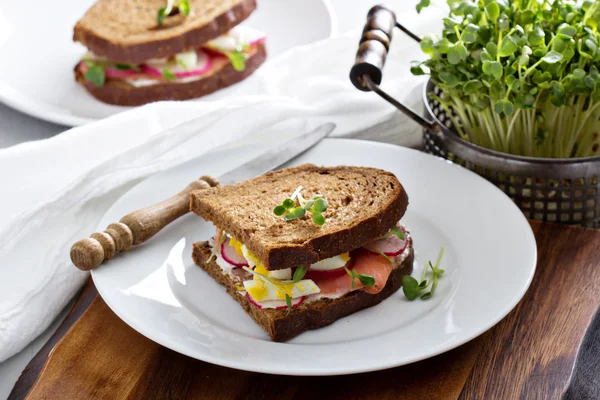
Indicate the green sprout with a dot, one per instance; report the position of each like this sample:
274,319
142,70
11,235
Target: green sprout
366,279
413,288
238,59
519,76
95,74
299,274
172,9
315,206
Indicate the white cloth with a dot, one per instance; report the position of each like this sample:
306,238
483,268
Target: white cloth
55,191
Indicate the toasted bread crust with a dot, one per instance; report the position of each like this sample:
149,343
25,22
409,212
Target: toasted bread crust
121,93
317,246
281,326
136,53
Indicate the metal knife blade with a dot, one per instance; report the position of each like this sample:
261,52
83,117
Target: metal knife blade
277,156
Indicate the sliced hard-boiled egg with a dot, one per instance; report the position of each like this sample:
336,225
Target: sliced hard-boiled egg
236,37
331,263
283,274
223,42
264,291
187,60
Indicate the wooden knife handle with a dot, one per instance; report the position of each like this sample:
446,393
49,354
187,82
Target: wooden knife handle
134,228
374,46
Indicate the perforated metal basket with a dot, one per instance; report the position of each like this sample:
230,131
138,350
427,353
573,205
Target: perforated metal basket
554,190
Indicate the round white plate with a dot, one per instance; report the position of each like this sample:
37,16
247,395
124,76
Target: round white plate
39,55
489,261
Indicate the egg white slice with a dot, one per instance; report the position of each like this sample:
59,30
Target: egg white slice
330,263
262,291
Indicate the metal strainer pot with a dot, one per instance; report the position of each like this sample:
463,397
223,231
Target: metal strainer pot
563,190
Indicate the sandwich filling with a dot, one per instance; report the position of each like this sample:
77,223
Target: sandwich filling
234,48
367,269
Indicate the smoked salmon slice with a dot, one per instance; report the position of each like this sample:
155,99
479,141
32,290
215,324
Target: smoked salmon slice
364,263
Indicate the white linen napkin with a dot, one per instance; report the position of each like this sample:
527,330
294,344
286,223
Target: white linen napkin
55,191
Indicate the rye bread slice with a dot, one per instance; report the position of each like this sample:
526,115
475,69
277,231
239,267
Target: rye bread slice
281,326
363,204
121,93
128,31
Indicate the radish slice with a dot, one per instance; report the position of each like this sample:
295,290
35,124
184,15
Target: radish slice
329,273
391,245
231,256
276,304
110,72
203,66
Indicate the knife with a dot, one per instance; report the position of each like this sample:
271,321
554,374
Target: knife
139,226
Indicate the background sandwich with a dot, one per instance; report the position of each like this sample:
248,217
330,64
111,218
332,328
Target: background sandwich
150,50
302,247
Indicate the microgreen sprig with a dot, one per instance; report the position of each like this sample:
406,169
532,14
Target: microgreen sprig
299,274
171,9
315,206
167,74
412,288
217,247
95,73
238,58
288,303
366,279
396,231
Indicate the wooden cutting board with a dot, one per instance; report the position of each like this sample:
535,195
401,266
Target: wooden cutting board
530,354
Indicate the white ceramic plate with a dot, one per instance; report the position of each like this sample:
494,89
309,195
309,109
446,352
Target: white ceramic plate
489,261
38,53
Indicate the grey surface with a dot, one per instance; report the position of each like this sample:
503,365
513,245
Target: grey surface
16,127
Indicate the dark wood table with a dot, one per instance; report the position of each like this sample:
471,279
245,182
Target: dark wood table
539,351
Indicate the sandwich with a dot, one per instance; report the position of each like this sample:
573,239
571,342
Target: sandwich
152,50
302,247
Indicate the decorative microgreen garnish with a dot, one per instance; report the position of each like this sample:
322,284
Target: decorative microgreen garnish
366,279
299,273
216,247
184,7
238,58
412,288
315,206
95,73
288,302
396,231
167,74
182,64
172,9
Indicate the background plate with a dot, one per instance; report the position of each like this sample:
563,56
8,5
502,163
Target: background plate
489,261
38,53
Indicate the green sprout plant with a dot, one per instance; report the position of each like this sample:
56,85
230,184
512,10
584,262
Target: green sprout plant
171,8
413,288
315,206
519,76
